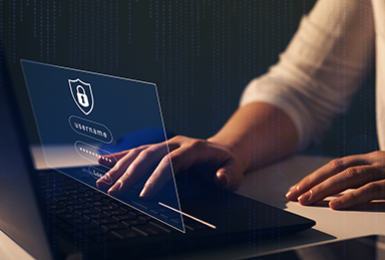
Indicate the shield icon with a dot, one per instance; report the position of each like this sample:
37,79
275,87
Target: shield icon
82,95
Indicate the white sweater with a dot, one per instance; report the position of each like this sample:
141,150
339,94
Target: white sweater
324,65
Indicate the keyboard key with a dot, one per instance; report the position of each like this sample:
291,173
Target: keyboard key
74,191
145,218
77,206
126,233
95,216
72,187
71,202
134,222
59,194
115,212
105,207
99,198
87,211
114,226
148,230
81,195
60,211
67,216
77,221
61,198
56,206
161,226
103,221
125,208
124,217
95,203
115,203
90,201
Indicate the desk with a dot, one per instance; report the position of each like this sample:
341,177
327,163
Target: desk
270,185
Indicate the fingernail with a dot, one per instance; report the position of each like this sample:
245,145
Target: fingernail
105,179
223,180
335,204
292,194
146,189
116,187
305,198
288,194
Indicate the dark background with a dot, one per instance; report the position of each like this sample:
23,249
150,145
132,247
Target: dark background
201,55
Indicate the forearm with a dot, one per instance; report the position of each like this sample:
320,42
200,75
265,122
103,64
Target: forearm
257,134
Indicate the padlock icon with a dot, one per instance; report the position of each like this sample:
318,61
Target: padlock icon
82,97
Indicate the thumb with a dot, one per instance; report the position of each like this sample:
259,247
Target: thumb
228,176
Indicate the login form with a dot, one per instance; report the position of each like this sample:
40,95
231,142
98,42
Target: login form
82,118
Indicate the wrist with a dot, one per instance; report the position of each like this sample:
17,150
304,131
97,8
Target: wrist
232,149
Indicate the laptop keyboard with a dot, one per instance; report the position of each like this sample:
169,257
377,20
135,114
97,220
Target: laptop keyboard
77,209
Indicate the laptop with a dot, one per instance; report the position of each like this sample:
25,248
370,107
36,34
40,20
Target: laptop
56,214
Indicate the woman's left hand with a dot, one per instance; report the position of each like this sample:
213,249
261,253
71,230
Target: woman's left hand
365,173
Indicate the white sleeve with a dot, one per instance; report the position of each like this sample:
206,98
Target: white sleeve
321,69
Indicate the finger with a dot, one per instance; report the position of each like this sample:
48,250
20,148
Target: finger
139,168
120,167
177,161
110,160
333,167
365,194
107,160
161,176
352,177
374,157
113,157
228,176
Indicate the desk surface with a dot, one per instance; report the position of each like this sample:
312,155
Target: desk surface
270,185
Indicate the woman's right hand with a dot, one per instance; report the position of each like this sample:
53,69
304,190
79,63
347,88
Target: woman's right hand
214,161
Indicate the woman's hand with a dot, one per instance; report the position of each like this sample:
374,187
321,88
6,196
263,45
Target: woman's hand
365,172
215,161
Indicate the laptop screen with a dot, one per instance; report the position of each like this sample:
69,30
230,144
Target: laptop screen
86,121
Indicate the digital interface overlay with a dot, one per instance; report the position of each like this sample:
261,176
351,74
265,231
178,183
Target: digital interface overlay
85,118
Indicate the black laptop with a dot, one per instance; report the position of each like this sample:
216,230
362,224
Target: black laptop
58,213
